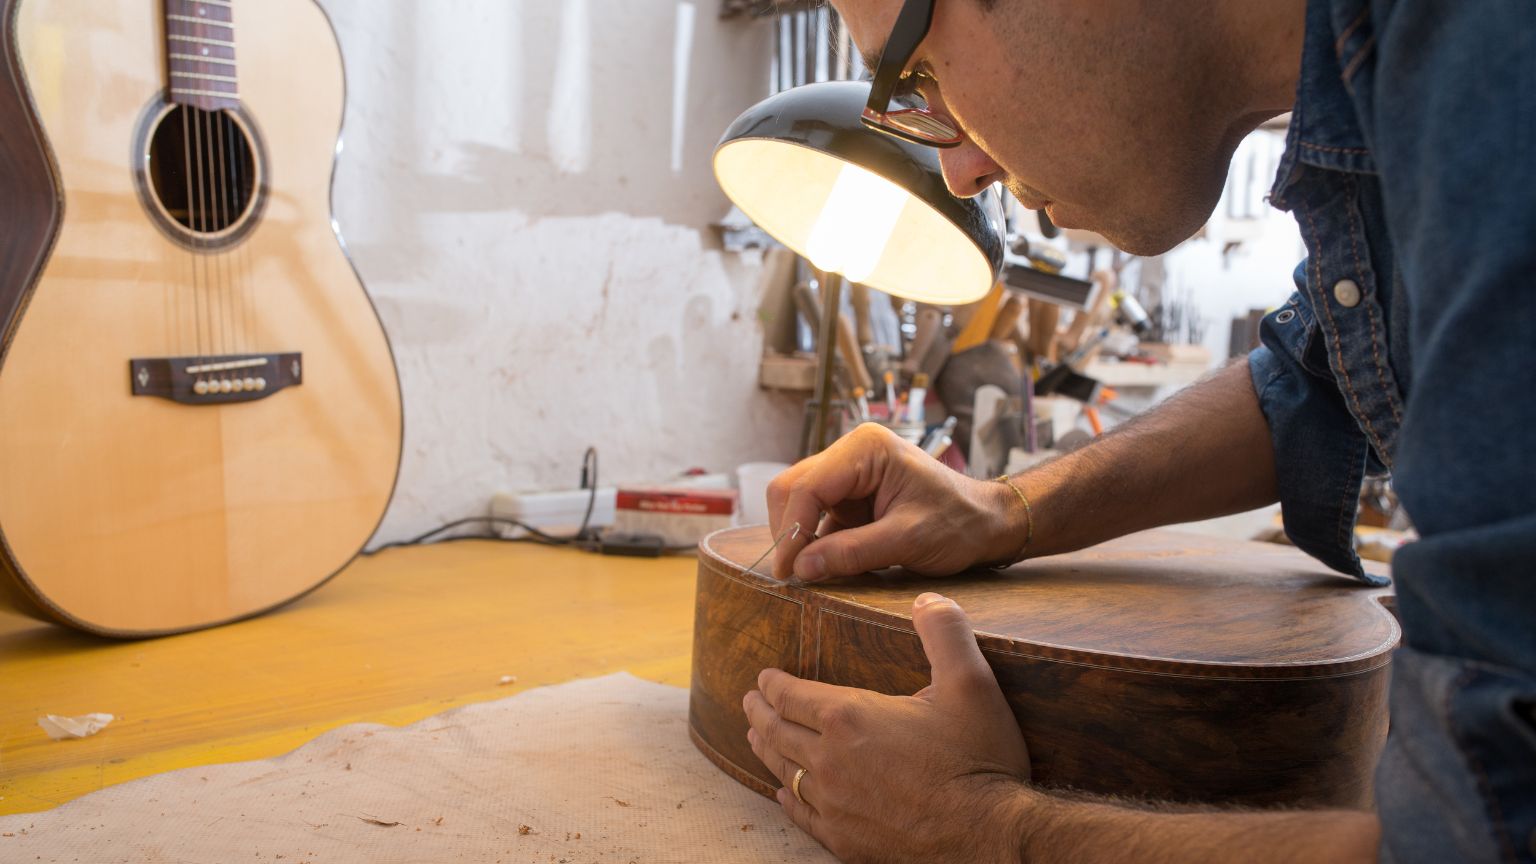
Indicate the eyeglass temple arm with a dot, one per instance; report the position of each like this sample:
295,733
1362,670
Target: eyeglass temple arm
912,24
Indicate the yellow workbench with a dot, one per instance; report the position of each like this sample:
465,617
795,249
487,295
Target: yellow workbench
392,639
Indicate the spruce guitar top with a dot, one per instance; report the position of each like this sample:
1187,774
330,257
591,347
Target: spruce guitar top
199,413
1162,665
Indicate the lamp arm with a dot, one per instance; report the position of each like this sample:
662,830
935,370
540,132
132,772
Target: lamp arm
826,352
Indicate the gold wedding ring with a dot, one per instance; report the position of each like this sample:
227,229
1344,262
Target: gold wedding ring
795,786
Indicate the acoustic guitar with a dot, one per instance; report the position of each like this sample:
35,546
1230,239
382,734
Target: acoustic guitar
1163,665
199,414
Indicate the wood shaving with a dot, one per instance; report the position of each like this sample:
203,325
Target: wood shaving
376,821
437,821
507,679
524,830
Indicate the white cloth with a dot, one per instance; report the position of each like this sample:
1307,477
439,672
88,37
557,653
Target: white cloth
597,770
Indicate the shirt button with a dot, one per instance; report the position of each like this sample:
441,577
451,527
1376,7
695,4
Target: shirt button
1347,293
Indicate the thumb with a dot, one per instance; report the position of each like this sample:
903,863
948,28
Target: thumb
950,643
851,551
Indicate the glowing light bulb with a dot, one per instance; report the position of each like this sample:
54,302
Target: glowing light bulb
855,224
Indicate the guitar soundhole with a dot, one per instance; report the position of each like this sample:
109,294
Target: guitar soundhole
202,174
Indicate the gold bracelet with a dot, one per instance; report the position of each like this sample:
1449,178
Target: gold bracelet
1029,518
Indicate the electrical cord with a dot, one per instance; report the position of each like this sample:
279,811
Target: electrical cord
588,458
580,539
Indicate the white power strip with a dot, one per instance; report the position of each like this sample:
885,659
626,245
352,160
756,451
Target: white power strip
557,513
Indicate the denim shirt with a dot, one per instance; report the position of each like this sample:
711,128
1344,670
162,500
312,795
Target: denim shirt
1409,347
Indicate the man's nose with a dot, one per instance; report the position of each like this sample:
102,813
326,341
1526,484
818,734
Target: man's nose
967,170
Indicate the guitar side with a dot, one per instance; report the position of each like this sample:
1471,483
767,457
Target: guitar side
130,515
29,221
1160,665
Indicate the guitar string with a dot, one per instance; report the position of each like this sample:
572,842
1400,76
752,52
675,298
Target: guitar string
169,257
230,154
231,214
197,299
210,261
221,188
178,288
237,208
215,211
211,296
196,211
239,311
200,214
238,155
243,149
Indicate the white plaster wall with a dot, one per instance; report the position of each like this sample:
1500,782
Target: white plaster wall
525,190
1253,275
1222,283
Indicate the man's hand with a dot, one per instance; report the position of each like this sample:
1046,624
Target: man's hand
1203,453
938,776
942,776
886,503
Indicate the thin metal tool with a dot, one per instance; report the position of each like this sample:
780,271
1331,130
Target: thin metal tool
790,532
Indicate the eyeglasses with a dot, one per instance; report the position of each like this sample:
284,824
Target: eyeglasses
910,119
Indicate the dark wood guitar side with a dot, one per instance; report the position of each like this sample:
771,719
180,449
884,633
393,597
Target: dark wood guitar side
1163,665
29,216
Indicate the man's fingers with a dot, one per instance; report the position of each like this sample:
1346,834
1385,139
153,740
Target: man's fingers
803,815
853,550
849,514
777,734
807,703
778,491
851,468
781,765
950,643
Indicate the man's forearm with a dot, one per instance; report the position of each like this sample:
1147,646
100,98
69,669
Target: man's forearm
1206,452
1056,830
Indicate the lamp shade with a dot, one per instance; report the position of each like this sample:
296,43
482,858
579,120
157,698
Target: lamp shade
858,202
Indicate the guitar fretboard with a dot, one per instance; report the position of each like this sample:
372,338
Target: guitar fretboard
200,50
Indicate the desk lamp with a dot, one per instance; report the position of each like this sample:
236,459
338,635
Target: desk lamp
861,199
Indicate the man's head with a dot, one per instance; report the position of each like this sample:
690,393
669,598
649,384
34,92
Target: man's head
1118,116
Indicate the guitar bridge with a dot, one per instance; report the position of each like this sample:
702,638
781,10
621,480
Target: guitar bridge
215,380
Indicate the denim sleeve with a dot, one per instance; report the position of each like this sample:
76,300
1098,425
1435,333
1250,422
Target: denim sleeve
1320,452
1451,97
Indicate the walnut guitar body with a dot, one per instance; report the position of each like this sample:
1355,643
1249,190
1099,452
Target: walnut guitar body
1162,665
132,515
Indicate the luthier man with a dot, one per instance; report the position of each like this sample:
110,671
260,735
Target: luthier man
1411,170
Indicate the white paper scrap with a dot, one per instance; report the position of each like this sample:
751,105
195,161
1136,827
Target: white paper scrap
59,728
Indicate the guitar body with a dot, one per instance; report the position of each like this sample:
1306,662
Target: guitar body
1163,666
122,512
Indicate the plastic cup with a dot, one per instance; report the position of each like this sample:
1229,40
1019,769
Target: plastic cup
752,478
